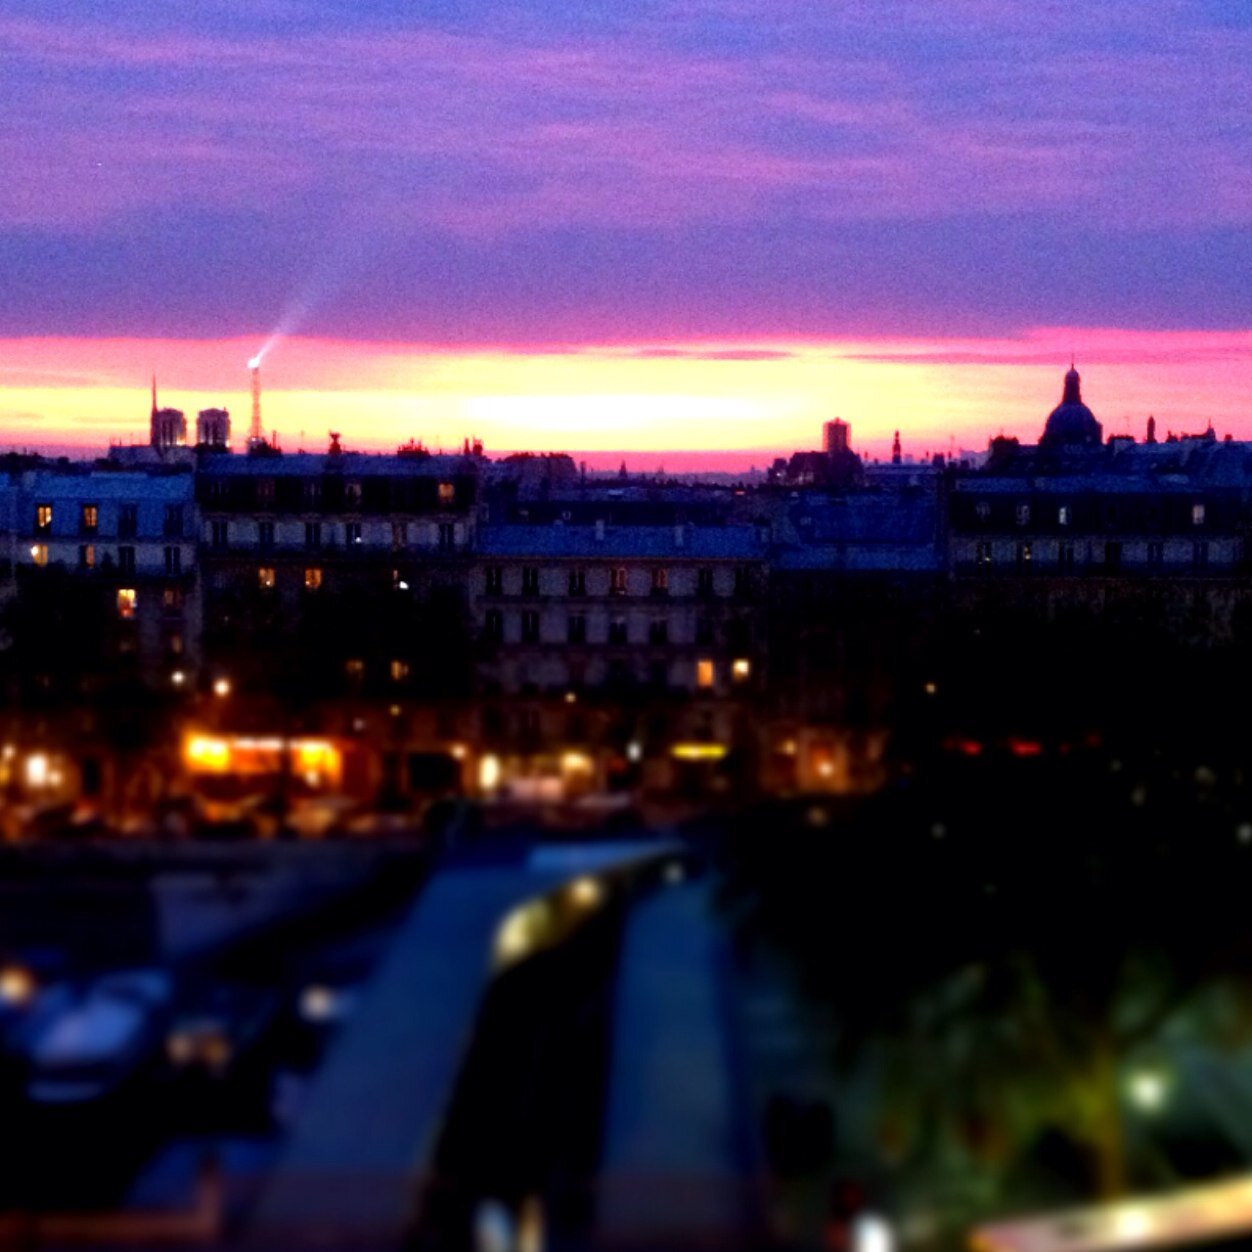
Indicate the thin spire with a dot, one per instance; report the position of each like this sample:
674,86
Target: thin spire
154,399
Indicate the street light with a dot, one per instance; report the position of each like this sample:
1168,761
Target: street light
1148,1088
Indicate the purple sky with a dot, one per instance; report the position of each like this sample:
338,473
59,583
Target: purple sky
517,173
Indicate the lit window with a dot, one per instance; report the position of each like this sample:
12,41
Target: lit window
43,517
704,672
312,578
1197,515
355,667
447,493
741,669
39,553
91,518
87,555
399,671
1063,515
265,578
127,599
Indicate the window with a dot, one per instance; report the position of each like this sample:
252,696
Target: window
219,535
265,578
174,645
352,534
39,554
354,667
1197,515
982,510
1200,555
264,492
90,519
265,535
494,624
1023,514
704,582
1113,556
171,601
399,671
658,631
127,602
399,534
742,580
127,521
126,560
1023,556
447,495
313,535
1156,555
312,493
87,556
578,582
741,669
704,673
618,632
1065,557
982,553
173,528
173,560
312,578
43,518
530,626
617,581
352,495
495,580
447,536
658,675
530,580
660,582
576,628
1064,515
704,630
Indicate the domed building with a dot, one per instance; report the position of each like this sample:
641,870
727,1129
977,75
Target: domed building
1071,424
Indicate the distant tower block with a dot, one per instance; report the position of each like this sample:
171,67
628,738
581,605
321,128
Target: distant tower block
837,436
168,428
255,435
213,428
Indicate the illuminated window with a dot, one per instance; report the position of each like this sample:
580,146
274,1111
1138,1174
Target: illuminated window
447,493
43,518
87,556
1063,515
172,601
127,600
312,578
39,553
741,669
617,581
704,673
1197,515
265,578
174,644
90,519
399,671
355,667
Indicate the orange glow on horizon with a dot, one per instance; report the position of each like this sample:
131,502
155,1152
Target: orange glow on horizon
761,398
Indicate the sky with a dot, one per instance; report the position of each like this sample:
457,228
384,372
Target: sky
659,227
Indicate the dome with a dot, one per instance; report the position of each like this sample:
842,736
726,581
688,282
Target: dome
1071,422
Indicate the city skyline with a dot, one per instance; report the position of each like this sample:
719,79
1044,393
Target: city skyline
682,229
